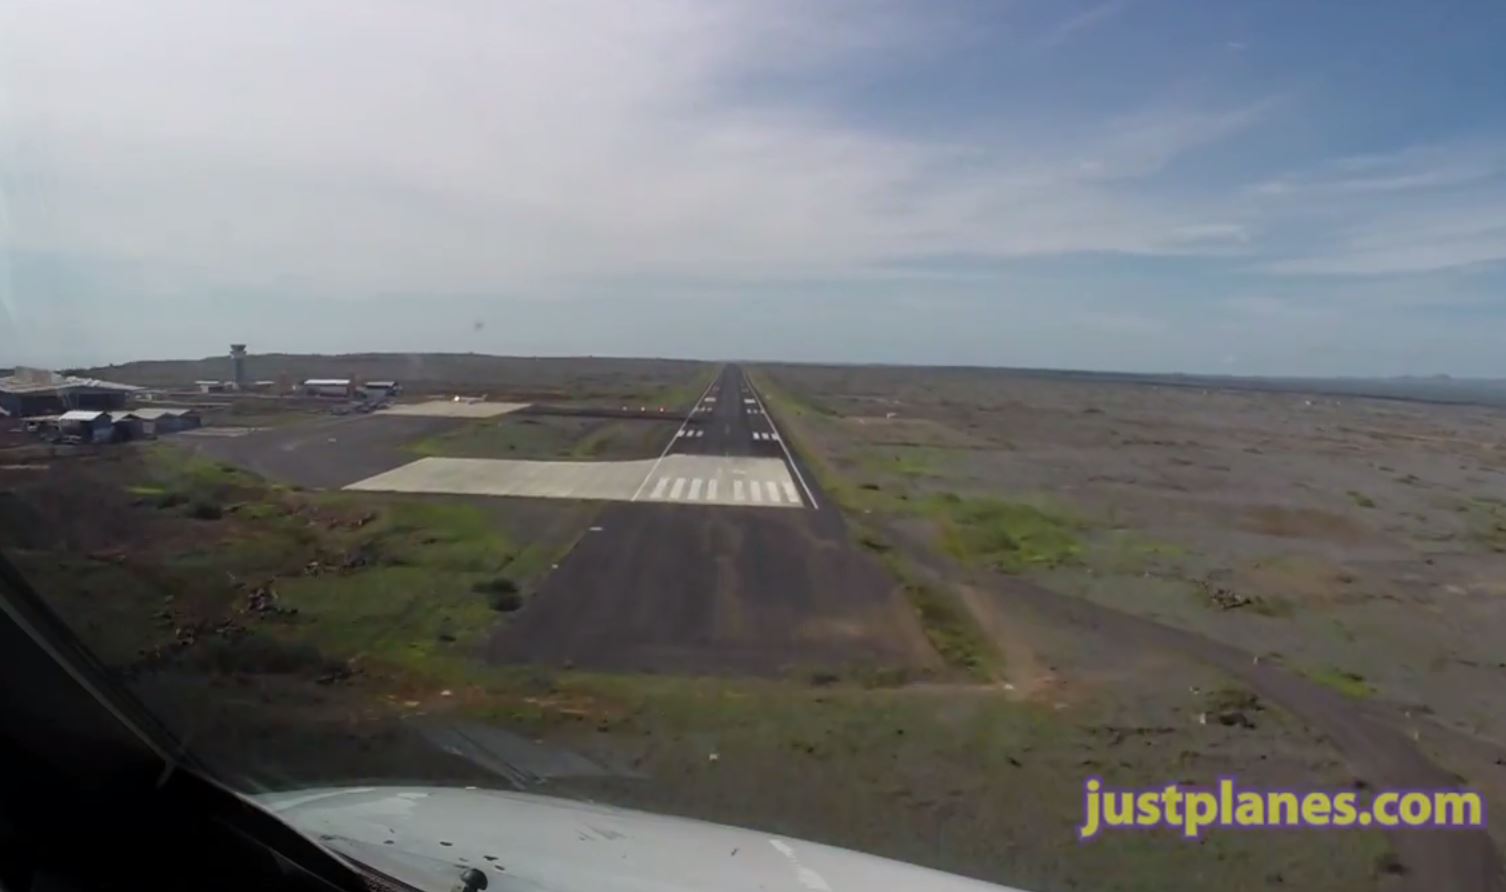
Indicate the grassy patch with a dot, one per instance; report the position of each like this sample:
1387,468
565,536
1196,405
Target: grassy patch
191,485
437,535
946,622
949,628
1361,499
1350,684
547,438
413,584
905,461
511,436
407,616
1125,551
1487,522
1009,536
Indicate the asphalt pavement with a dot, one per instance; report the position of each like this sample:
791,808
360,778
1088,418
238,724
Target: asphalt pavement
688,588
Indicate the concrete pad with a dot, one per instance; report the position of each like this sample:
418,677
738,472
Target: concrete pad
686,479
453,409
505,477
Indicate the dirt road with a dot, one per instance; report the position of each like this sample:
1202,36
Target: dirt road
1379,754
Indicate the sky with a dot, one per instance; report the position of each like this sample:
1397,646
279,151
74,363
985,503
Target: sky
1272,187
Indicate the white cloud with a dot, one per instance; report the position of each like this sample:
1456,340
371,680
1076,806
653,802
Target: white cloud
530,146
1091,17
1420,209
1413,168
1412,239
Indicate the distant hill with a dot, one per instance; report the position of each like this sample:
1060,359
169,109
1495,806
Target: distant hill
1430,389
588,376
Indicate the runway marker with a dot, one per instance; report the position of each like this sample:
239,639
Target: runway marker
755,490
668,446
674,491
658,492
789,459
773,491
737,490
789,490
711,490
695,491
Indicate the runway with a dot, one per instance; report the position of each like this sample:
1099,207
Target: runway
669,583
725,452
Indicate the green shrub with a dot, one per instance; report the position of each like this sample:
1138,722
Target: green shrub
501,593
260,654
203,509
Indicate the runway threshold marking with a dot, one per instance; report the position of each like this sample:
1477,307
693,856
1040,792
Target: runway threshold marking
676,437
789,459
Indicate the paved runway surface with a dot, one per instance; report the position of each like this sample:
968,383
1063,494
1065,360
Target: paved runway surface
704,480
679,587
723,453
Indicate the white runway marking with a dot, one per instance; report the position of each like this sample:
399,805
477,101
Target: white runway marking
711,490
695,491
674,491
810,496
755,491
737,491
773,488
659,488
789,491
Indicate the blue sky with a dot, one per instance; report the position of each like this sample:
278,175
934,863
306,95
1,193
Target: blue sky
1254,188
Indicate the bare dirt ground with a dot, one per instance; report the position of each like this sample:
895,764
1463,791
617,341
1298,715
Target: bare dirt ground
1340,556
972,760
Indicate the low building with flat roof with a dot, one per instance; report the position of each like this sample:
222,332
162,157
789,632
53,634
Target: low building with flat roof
327,387
31,392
